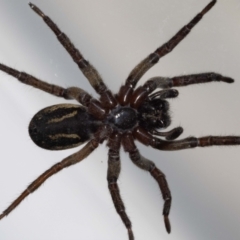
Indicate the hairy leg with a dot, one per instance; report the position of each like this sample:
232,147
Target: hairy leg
145,164
68,93
167,47
191,142
184,80
142,92
114,168
69,161
87,69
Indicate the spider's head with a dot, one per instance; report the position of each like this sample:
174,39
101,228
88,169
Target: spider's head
153,114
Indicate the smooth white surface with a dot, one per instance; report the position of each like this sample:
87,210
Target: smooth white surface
115,36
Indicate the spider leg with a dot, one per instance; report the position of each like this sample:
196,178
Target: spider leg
70,160
142,92
94,107
87,69
68,93
112,176
191,142
145,164
67,162
184,80
167,47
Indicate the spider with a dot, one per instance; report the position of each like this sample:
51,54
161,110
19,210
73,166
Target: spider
120,119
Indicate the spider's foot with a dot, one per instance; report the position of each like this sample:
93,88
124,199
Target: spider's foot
130,234
37,10
167,224
227,80
209,6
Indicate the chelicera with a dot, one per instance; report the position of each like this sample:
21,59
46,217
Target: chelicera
132,114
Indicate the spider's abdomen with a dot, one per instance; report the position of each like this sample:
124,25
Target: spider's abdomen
62,126
123,118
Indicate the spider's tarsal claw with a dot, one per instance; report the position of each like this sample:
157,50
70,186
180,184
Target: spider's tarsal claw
209,6
130,234
227,80
167,224
2,216
31,5
36,10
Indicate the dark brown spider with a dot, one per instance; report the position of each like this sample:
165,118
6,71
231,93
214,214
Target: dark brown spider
132,114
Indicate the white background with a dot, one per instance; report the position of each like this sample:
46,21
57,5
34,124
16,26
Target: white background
115,36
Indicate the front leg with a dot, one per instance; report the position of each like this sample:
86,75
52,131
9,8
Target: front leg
142,92
167,47
184,80
191,142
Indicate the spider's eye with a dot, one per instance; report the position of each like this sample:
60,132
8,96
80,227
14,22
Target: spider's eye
160,104
161,123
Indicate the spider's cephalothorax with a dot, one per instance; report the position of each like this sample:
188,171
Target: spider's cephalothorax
131,114
122,118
